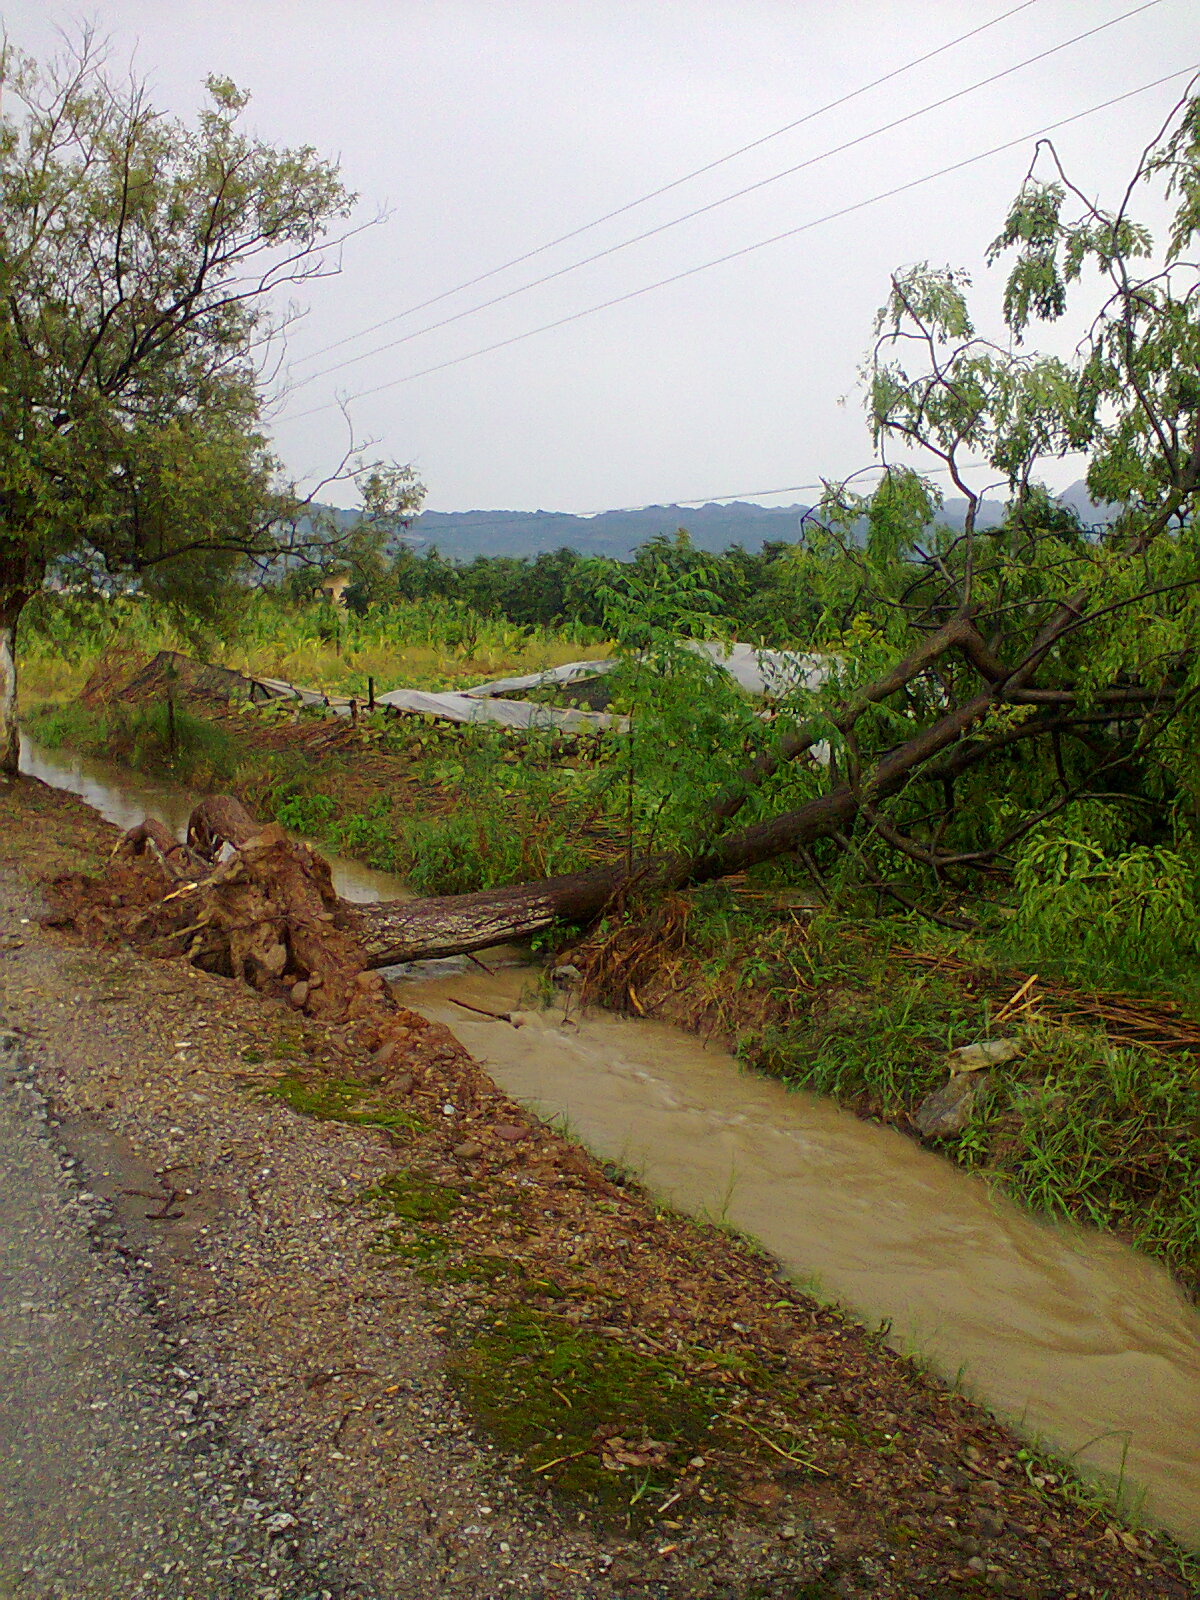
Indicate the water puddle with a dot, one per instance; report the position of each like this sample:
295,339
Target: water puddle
1071,1335
126,798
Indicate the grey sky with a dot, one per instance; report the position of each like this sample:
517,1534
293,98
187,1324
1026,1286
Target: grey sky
486,129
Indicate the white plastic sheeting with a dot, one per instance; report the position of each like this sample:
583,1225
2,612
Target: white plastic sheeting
760,672
552,677
450,707
277,689
508,713
765,672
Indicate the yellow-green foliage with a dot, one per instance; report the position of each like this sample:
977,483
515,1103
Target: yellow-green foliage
430,644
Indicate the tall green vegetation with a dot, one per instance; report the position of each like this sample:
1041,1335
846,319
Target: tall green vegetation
429,643
762,597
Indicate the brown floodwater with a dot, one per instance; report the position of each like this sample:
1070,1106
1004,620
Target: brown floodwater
1073,1337
126,798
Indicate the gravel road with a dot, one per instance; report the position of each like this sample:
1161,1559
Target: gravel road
106,1486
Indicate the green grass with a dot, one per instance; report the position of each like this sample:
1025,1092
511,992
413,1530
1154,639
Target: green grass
546,1391
149,738
520,809
335,1100
1076,1128
1102,1134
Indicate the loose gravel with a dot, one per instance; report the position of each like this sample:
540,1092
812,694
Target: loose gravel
210,1384
113,1478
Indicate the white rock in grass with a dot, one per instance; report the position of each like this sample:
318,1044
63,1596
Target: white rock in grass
987,1053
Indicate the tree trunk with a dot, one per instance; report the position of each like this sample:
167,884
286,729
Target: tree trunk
452,924
443,925
10,737
16,584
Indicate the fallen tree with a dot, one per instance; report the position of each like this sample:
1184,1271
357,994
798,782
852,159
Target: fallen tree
391,932
991,679
988,680
442,925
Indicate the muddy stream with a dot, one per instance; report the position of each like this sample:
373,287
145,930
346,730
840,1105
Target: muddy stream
1070,1335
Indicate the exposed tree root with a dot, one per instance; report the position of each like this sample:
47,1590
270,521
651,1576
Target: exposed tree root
267,915
220,820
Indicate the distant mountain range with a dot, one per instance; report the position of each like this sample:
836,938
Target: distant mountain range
463,535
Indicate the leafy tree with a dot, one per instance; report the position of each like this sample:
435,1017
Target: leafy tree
140,260
993,691
1016,677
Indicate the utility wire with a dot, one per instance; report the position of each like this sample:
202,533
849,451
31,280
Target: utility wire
654,194
762,494
761,244
713,205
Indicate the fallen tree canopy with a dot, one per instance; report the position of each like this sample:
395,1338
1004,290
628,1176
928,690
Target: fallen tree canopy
266,911
1015,700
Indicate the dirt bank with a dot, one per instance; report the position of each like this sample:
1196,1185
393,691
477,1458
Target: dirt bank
640,1404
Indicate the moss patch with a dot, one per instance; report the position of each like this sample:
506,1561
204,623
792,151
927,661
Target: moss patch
337,1100
414,1198
614,1427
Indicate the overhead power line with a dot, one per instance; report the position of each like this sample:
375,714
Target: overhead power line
713,205
675,183
761,244
763,494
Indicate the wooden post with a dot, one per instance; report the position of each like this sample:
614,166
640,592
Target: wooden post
370,694
171,673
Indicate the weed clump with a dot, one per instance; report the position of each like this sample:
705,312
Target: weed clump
336,1100
1110,1136
618,1428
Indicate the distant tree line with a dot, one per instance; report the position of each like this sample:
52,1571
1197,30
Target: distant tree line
764,597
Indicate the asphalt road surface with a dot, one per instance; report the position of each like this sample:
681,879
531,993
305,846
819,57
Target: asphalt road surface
107,1487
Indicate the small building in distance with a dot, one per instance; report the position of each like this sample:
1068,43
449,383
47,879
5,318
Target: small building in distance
333,586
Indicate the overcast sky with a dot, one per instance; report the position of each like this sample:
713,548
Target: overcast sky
485,129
